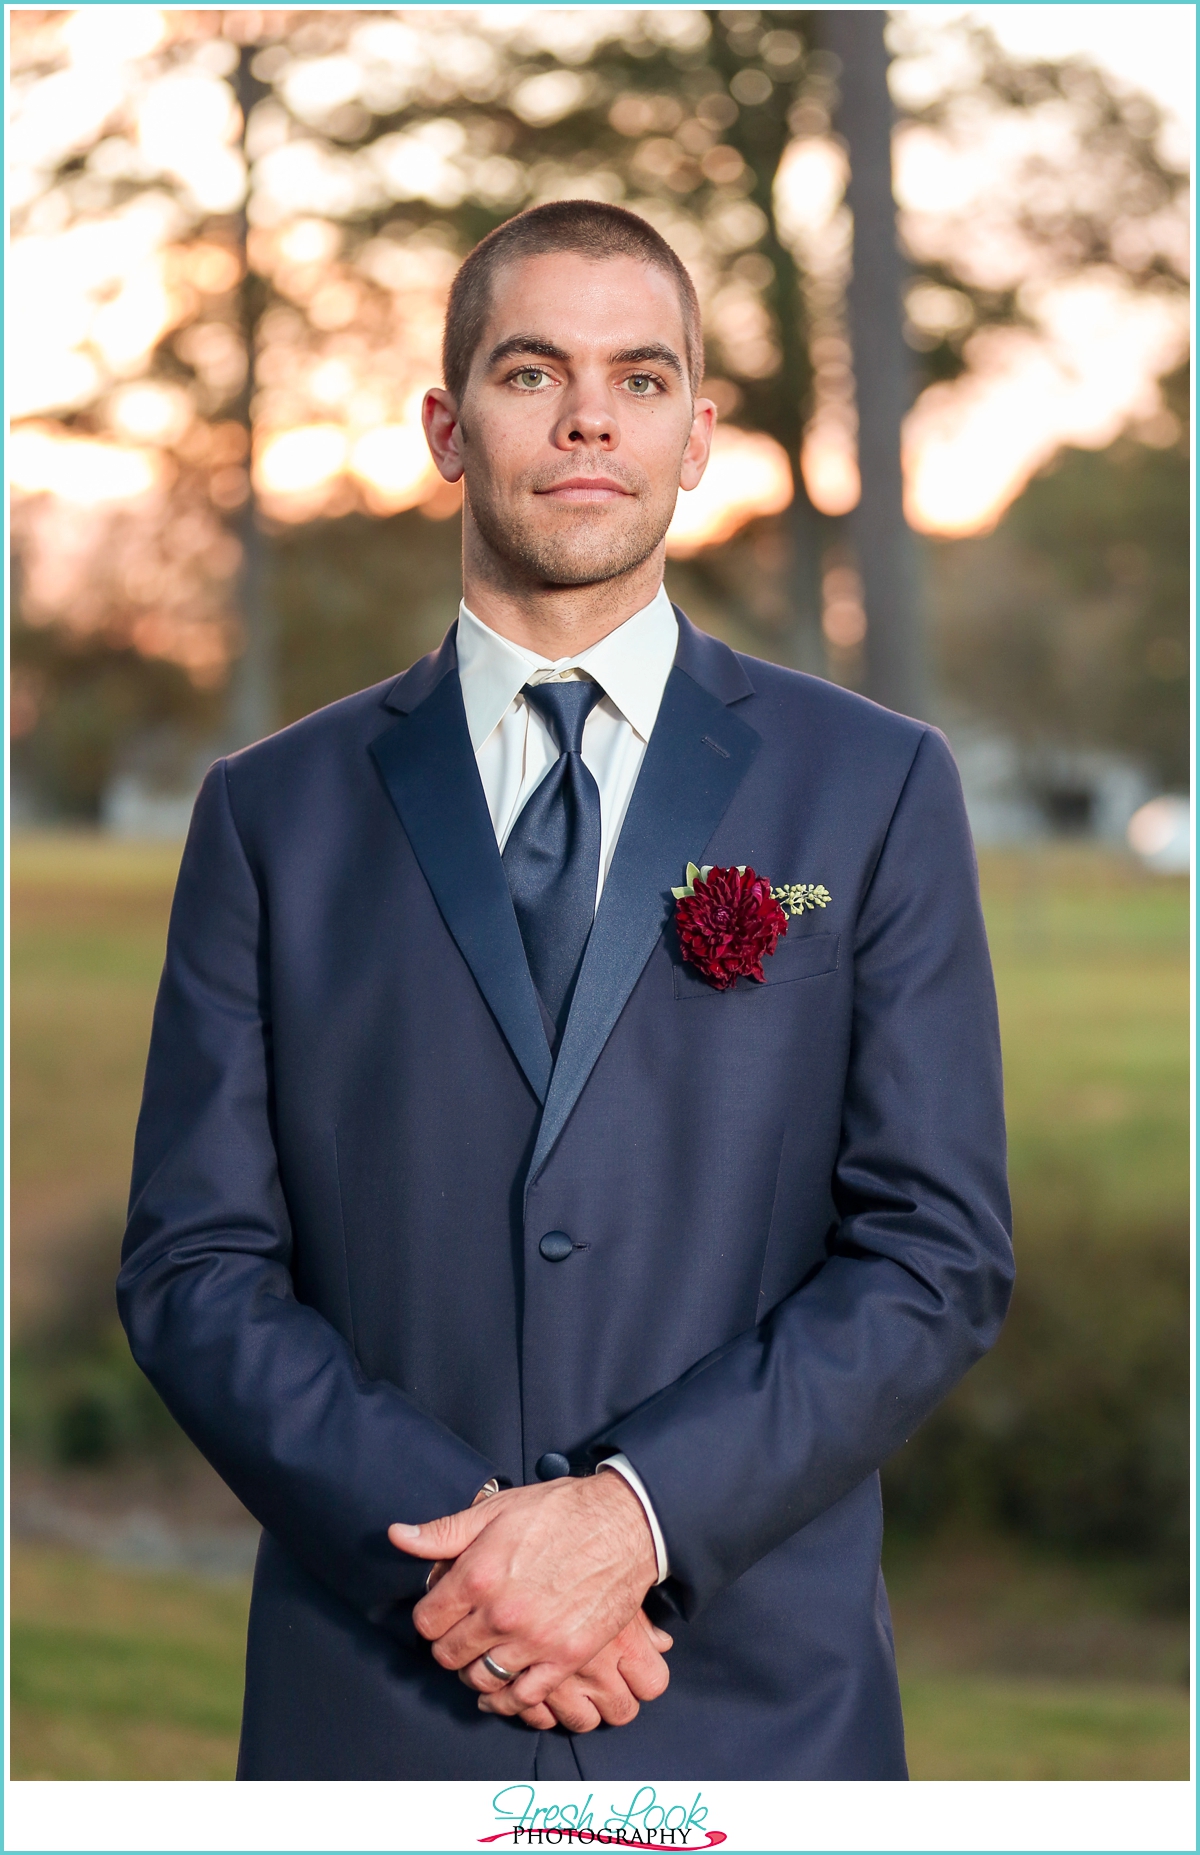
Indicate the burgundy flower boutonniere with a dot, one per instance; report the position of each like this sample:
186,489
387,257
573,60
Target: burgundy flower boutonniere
728,923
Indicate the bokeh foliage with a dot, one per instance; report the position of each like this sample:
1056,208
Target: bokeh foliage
416,133
1071,624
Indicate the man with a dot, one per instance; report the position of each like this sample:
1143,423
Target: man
485,1229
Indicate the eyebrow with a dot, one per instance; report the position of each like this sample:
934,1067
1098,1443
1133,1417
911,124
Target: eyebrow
536,344
526,344
654,351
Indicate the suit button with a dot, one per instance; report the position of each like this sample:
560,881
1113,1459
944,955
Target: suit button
551,1467
556,1246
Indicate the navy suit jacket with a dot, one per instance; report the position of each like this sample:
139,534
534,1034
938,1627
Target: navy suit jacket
787,1202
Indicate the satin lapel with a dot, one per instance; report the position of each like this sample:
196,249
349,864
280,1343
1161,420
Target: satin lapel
696,759
430,773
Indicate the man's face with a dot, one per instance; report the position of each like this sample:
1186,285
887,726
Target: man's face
577,426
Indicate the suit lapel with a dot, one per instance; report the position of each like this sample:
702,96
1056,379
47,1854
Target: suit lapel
696,759
430,773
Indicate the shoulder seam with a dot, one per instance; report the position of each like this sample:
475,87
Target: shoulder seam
223,765
925,730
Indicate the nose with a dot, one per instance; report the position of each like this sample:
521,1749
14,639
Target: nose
588,417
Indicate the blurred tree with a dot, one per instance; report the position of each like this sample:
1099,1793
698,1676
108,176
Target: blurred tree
1074,1432
895,668
76,704
1089,185
1072,623
382,144
89,678
254,707
336,582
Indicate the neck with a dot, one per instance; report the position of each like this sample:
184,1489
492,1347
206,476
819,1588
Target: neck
559,621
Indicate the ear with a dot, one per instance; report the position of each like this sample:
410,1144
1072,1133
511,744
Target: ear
439,416
699,444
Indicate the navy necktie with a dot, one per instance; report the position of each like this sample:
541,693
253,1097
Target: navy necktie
552,857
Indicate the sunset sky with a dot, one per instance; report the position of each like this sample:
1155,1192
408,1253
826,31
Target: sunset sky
88,301
970,448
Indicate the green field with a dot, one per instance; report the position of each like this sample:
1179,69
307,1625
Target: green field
1091,961
985,1727
89,920
121,1674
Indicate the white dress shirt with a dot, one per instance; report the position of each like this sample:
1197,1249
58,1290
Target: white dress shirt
514,748
514,751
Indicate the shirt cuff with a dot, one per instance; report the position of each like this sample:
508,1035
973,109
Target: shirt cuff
621,1465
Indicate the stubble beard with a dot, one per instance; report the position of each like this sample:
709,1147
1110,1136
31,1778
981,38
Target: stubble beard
586,550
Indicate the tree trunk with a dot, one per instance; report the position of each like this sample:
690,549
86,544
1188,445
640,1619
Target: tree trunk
885,546
254,705
807,535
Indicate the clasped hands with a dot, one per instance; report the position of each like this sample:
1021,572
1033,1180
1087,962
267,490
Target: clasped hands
548,1580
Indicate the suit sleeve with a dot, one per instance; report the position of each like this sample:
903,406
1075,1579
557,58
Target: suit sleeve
263,1384
767,1432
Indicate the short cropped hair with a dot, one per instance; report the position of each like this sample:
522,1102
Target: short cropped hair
591,227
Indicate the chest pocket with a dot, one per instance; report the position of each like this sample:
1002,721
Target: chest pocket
797,956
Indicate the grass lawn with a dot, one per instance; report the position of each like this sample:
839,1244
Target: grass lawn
1091,962
89,920
120,1674
1016,1663
986,1727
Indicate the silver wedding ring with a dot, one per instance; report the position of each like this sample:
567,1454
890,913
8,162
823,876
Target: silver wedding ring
494,1668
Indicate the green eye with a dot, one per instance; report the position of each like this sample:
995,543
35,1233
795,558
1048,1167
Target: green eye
641,384
531,376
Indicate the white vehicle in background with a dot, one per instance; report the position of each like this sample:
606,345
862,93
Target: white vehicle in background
1160,833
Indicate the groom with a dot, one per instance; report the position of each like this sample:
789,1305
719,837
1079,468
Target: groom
572,1155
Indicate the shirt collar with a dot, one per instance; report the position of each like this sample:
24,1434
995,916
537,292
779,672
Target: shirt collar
631,665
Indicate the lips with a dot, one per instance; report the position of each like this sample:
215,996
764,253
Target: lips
585,490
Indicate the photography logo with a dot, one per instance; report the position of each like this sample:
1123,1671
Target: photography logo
648,1821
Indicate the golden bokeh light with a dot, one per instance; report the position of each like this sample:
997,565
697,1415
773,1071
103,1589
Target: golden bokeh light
103,35
185,124
829,462
305,471
393,465
298,462
748,475
971,445
151,411
45,461
85,305
809,192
